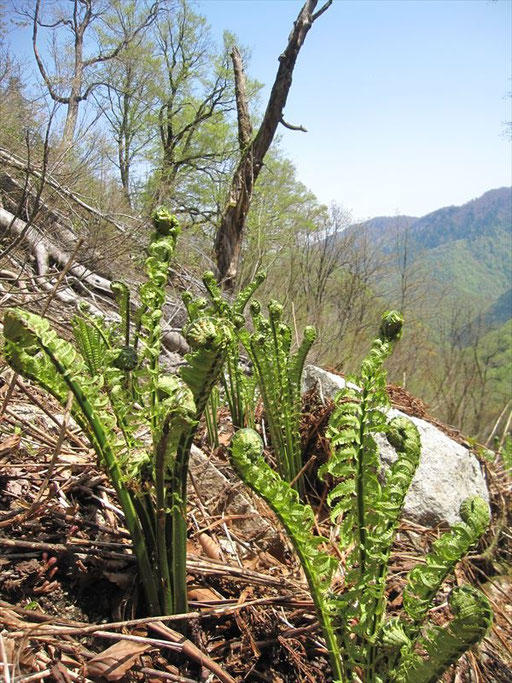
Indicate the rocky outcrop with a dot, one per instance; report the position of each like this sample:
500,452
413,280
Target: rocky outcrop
447,474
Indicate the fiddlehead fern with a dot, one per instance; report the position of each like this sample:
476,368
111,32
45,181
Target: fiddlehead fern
238,387
425,580
279,375
297,519
443,646
91,343
367,511
122,296
34,350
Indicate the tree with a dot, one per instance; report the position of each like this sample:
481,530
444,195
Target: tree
254,148
194,95
127,101
283,212
71,82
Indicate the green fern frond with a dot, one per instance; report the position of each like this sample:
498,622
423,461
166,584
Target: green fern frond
424,581
298,520
122,297
279,375
444,645
91,343
35,351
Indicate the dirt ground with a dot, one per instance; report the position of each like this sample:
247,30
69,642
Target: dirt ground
70,604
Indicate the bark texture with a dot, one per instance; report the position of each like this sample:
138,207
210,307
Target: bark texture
253,149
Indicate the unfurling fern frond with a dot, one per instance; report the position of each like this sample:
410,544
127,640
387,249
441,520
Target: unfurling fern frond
425,580
444,645
122,297
91,343
297,519
209,340
367,511
35,351
279,375
354,463
403,435
239,389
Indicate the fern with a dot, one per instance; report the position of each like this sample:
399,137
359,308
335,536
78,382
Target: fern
239,388
278,373
297,519
366,506
122,296
34,350
120,391
91,343
424,581
444,645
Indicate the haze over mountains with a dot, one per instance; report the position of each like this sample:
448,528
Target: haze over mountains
464,252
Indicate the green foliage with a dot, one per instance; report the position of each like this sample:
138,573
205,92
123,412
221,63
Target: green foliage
366,505
443,646
278,372
298,521
239,387
424,581
118,392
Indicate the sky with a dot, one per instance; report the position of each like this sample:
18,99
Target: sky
405,101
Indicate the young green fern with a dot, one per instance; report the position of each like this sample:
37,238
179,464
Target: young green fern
239,388
35,351
120,391
442,646
278,373
366,505
424,581
298,520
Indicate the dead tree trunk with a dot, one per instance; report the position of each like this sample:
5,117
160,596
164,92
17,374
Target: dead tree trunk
253,149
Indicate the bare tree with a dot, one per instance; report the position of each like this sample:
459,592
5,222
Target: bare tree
193,95
253,148
71,85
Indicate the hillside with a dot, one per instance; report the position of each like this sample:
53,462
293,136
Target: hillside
464,252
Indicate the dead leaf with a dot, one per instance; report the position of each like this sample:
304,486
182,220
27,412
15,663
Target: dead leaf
10,444
116,660
202,595
211,548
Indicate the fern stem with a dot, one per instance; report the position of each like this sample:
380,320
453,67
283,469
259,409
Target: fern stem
105,452
166,590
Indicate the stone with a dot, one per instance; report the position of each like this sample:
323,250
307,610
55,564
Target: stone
447,474
223,493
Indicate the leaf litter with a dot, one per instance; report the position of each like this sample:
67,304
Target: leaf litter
68,585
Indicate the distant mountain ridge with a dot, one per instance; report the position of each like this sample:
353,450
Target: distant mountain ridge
465,250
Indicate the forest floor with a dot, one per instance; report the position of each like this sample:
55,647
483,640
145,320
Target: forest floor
70,606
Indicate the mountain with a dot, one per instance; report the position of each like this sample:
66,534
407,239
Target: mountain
465,252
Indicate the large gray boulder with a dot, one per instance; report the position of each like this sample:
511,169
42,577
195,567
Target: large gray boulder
447,474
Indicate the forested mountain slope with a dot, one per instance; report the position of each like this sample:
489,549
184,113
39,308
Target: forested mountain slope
465,252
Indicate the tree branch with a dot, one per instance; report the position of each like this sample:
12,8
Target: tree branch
232,224
242,108
290,127
39,61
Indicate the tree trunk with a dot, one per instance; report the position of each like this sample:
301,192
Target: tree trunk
229,236
68,134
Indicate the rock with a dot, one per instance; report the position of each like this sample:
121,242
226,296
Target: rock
225,494
447,474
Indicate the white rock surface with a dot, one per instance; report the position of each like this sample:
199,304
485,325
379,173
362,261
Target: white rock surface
447,474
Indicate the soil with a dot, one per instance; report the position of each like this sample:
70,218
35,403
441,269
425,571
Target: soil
70,604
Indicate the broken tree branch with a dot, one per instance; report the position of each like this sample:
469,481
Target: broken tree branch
229,236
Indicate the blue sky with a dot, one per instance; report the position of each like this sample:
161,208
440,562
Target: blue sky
404,100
